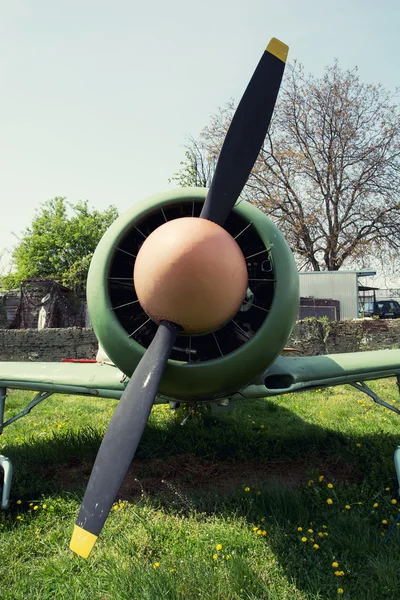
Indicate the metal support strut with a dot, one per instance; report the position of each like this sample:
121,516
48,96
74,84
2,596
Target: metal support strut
40,396
5,462
362,387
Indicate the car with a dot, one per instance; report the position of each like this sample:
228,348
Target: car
384,309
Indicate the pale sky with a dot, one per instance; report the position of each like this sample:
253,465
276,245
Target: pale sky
97,96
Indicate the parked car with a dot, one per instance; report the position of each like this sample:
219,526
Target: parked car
384,309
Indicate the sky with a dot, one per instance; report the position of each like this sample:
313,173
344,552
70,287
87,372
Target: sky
97,97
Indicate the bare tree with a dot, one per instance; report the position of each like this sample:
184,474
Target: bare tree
4,256
197,168
329,171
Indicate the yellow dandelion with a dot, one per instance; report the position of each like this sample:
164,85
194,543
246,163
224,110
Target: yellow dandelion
259,531
19,501
316,547
310,530
218,547
264,533
384,522
115,507
299,529
310,482
255,528
394,501
320,478
329,501
215,556
376,505
324,527
303,539
44,505
246,489
19,518
358,445
330,485
121,505
35,507
347,507
335,564
339,573
340,591
172,570
156,565
387,489
228,556
320,534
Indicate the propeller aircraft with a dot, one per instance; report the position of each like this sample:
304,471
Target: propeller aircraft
193,294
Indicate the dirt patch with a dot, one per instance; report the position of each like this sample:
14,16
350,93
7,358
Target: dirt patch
188,473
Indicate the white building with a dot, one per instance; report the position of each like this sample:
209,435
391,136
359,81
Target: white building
340,286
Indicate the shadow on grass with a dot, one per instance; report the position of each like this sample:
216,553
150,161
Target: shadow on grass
205,467
220,451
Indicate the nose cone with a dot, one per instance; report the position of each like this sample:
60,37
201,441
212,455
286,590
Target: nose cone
192,272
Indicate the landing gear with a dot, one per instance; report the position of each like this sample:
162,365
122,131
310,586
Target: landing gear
6,466
5,463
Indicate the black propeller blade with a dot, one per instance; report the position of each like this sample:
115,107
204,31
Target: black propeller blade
121,439
246,134
239,152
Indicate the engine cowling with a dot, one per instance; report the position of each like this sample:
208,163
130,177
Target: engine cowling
202,366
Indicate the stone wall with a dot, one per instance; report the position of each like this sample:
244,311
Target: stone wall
311,336
47,344
319,336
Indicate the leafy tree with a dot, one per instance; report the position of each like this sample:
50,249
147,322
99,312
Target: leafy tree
329,171
59,243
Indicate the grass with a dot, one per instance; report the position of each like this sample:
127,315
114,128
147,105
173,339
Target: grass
226,507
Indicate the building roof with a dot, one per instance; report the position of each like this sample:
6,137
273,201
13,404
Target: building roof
340,272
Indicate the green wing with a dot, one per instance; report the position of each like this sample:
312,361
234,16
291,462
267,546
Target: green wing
89,379
289,374
285,375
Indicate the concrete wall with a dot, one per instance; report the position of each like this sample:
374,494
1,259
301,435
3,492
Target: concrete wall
311,336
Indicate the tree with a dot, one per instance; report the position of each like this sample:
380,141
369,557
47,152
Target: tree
197,168
59,243
3,261
329,171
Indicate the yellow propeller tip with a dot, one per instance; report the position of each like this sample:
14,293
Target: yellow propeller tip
278,49
82,541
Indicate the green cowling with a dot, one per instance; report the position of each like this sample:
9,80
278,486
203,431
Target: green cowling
220,376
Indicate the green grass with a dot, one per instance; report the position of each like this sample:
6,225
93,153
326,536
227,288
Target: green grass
246,482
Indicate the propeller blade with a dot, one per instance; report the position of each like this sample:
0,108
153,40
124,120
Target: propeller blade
246,134
121,440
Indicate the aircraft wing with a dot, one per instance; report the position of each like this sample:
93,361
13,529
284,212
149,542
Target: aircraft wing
89,379
296,374
285,375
